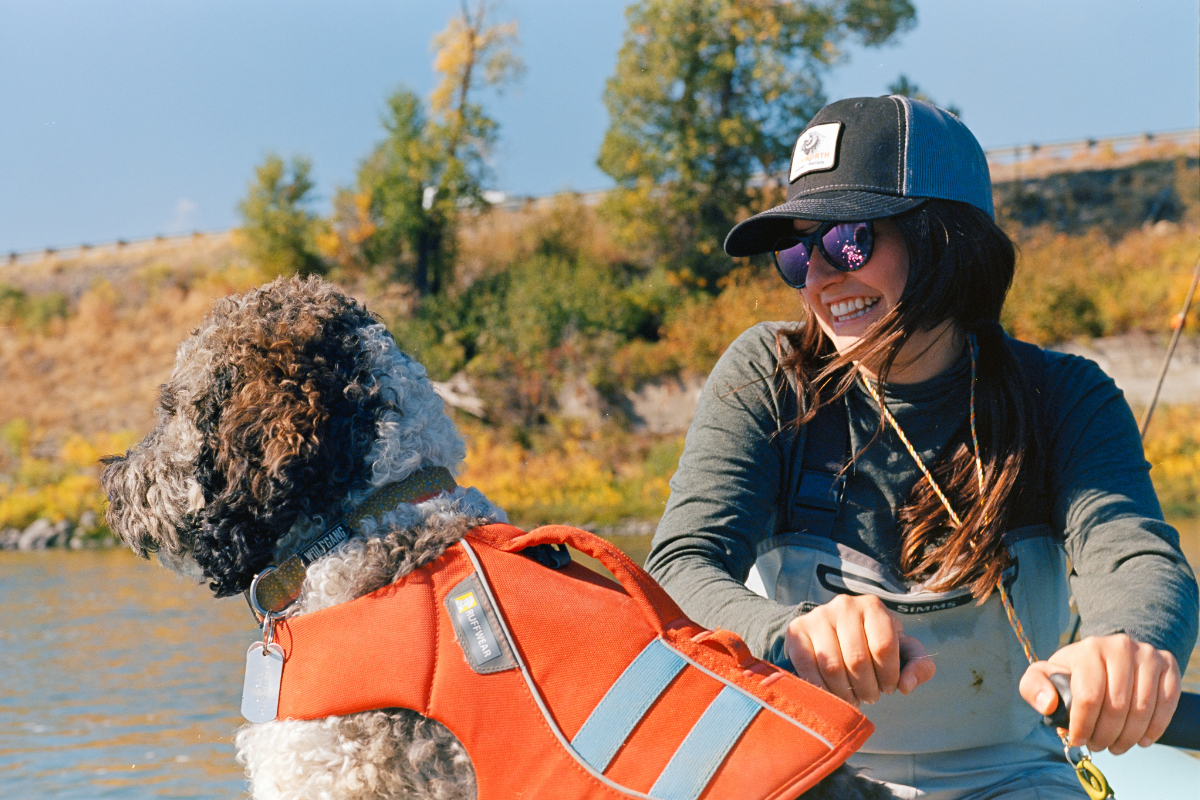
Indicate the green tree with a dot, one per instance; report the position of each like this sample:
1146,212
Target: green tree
903,86
279,228
432,165
709,93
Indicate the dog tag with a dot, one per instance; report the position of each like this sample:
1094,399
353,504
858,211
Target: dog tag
260,692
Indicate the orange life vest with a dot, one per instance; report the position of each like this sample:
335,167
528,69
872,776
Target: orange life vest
560,683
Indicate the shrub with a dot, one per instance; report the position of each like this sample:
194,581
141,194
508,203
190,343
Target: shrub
568,482
1173,447
20,311
1069,286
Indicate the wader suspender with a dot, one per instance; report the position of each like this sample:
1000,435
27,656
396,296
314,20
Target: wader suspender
818,498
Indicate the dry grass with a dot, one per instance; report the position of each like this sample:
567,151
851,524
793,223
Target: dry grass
99,370
1173,447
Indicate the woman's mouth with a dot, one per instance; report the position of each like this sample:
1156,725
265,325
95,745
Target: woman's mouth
852,308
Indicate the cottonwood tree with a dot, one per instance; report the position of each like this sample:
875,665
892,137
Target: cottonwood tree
432,165
706,95
280,229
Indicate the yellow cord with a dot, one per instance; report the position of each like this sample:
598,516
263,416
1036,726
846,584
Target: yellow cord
1090,777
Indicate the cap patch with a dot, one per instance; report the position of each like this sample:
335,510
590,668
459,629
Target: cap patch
816,150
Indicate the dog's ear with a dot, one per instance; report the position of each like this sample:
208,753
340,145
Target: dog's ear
286,431
152,490
126,493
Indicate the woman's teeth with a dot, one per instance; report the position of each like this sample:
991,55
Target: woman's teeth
851,309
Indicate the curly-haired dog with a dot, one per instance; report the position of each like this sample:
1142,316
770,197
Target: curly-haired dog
286,409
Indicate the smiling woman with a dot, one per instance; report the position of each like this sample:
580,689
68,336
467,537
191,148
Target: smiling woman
898,484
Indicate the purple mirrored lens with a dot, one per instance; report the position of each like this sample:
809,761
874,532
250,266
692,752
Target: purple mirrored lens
792,264
848,245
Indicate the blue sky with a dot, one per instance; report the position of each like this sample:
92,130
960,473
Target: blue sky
132,118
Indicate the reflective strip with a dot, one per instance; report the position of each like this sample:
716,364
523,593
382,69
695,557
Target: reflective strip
625,703
706,745
534,692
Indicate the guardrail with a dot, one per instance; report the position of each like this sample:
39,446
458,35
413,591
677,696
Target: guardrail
154,243
1025,161
1015,162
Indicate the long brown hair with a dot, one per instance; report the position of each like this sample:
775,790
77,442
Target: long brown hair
960,269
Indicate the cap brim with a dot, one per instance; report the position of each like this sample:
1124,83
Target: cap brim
760,233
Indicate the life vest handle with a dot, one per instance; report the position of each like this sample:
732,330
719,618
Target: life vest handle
656,605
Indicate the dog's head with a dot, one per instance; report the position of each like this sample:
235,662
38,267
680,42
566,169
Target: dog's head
288,400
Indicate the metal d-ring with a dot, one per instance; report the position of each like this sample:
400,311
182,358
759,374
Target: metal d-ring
252,596
268,617
1084,754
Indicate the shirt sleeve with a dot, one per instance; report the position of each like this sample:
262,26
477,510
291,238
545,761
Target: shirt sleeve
725,495
1129,574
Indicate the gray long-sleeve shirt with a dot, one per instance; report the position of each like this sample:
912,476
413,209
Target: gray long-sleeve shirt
1129,573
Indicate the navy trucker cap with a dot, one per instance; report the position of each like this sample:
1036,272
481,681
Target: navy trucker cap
867,158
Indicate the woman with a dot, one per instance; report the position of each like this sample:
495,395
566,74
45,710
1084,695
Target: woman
900,481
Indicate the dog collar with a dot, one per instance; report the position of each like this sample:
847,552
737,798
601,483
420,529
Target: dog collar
277,587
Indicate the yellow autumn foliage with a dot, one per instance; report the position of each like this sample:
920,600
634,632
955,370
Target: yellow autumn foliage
1173,449
59,487
567,482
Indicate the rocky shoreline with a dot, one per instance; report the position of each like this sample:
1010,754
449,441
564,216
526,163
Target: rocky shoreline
86,534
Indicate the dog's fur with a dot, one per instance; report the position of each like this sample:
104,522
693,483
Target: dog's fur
286,409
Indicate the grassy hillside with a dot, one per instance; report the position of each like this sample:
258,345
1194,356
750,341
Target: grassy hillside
546,299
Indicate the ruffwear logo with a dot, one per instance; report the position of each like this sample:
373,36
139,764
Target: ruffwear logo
816,150
477,627
466,602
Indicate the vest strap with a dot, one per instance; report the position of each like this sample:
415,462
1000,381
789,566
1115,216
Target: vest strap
625,703
706,745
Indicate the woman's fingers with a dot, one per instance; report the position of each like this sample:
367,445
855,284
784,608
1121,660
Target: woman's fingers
1037,689
918,666
852,647
857,656
1111,696
1146,681
1123,692
816,656
884,633
828,656
803,656
1169,689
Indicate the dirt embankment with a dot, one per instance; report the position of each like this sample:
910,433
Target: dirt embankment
1134,361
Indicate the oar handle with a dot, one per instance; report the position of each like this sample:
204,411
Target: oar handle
1183,730
1061,717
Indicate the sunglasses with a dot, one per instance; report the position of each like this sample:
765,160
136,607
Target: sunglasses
846,246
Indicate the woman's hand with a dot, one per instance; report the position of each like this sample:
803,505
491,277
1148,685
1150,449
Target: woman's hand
1123,692
854,647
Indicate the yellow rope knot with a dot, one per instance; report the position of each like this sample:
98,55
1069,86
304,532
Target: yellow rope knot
1093,780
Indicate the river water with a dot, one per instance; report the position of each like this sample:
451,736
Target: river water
119,680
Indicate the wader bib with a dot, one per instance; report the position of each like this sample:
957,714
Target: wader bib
973,699
560,683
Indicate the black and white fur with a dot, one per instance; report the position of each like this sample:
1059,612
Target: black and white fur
286,408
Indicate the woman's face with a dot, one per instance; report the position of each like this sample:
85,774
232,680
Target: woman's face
846,304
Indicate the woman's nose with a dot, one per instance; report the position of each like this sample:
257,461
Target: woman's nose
820,273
